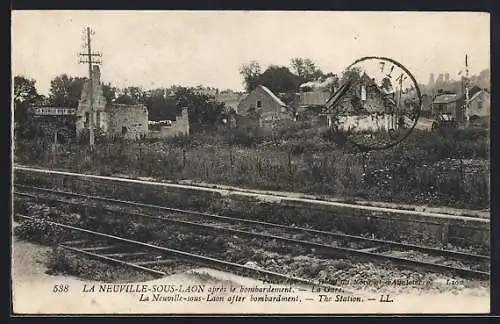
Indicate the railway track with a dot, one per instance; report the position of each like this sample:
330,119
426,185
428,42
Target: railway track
110,248
366,248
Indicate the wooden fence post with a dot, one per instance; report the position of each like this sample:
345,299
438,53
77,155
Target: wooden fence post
365,161
290,162
258,163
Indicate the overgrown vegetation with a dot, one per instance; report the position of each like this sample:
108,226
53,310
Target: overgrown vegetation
69,263
449,167
37,230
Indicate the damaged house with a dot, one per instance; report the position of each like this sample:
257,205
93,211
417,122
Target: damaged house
128,121
310,106
362,105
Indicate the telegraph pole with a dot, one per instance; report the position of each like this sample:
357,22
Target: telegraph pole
466,92
88,58
399,99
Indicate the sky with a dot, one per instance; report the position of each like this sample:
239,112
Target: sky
162,48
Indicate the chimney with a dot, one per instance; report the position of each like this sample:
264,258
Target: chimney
96,75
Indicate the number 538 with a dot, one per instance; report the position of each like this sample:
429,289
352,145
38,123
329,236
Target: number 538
62,288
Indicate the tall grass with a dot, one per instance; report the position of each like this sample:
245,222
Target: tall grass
428,168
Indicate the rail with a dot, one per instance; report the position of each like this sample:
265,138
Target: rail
333,249
188,256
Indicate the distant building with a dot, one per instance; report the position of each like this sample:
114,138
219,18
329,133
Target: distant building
449,103
479,108
310,105
453,104
263,106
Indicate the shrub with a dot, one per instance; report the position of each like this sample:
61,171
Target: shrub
68,263
38,231
246,137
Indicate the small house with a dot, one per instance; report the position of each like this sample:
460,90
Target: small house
479,108
264,107
450,104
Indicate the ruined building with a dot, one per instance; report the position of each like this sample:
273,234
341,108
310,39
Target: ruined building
129,121
83,111
177,127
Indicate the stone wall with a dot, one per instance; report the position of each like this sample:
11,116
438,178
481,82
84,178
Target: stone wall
180,126
129,121
366,123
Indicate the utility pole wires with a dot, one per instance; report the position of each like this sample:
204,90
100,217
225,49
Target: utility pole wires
90,58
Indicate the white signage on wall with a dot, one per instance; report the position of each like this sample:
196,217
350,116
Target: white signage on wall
54,111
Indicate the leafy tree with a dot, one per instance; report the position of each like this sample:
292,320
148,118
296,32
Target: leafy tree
279,79
131,96
306,70
65,91
109,92
204,111
351,75
25,95
161,105
24,90
125,99
251,73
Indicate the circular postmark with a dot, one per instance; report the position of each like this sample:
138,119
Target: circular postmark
377,105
